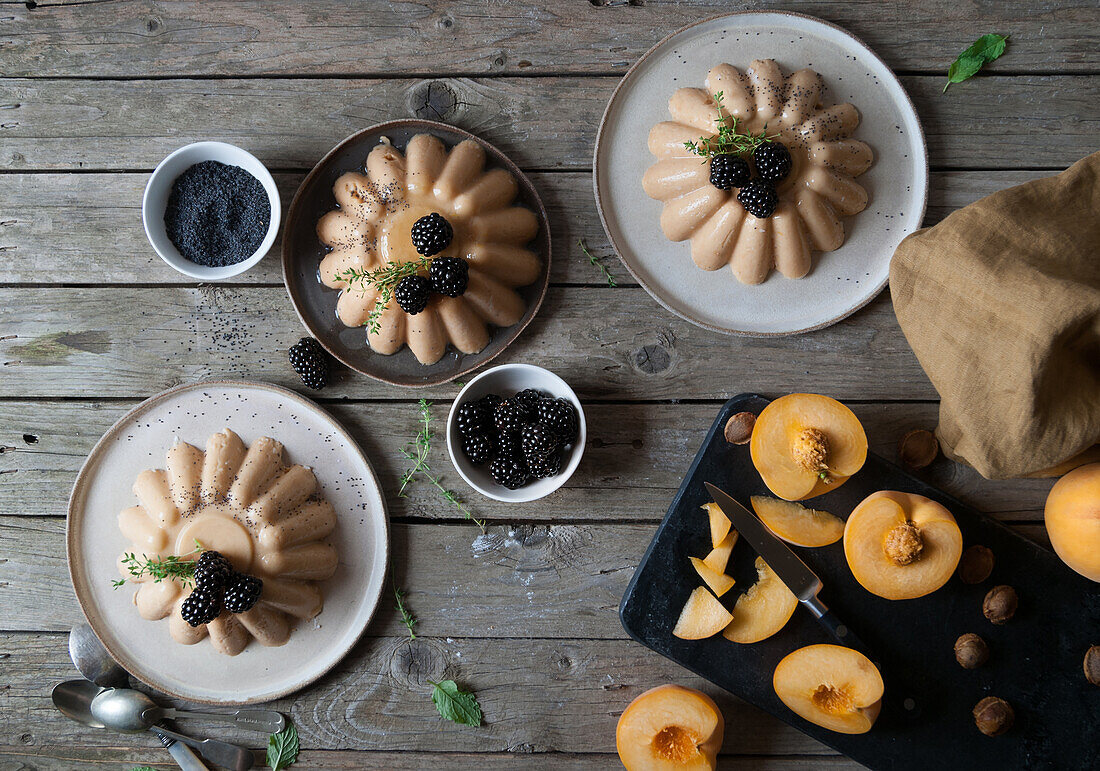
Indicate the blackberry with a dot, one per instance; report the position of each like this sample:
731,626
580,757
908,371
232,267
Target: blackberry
728,171
412,294
773,161
546,466
449,275
537,441
560,417
529,398
490,402
212,571
508,443
309,360
479,448
511,415
242,593
201,607
758,198
509,471
431,234
473,418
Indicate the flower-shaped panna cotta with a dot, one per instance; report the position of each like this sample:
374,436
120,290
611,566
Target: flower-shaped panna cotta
818,191
373,226
268,519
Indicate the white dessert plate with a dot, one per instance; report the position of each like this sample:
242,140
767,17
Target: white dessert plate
840,282
139,441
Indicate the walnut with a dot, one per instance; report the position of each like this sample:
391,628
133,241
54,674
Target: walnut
994,716
918,448
1092,665
971,651
810,449
739,428
1000,604
976,564
904,543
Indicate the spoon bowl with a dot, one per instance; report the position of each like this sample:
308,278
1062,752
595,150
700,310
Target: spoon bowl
74,698
93,661
123,709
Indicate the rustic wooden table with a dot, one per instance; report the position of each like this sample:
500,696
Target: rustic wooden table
94,94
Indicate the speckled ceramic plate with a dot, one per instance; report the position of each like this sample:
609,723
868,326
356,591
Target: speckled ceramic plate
139,441
840,282
316,303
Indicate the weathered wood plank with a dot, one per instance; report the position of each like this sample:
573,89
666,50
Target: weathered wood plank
86,228
537,696
515,581
1039,121
141,37
635,460
64,758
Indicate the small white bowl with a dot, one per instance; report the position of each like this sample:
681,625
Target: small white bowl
508,379
155,200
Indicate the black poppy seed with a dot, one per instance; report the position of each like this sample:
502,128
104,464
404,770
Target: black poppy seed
217,214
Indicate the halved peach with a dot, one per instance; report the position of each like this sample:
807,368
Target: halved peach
796,524
1072,517
762,610
703,616
719,556
719,523
831,686
719,583
805,445
670,727
901,546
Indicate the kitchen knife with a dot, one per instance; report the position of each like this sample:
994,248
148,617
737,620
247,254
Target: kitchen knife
793,572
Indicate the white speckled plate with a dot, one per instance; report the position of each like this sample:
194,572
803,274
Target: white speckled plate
139,441
840,282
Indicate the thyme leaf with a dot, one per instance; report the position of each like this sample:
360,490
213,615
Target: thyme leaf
384,279
728,140
407,618
598,262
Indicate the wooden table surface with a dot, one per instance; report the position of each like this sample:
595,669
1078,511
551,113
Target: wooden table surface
94,94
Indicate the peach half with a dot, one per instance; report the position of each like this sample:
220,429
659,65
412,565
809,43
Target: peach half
1073,519
763,610
804,445
796,524
901,546
831,686
668,728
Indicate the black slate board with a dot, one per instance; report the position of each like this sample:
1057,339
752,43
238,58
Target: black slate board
1036,661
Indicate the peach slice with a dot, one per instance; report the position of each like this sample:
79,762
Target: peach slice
670,727
831,686
719,523
719,583
805,445
1073,519
901,546
763,610
703,616
796,524
719,556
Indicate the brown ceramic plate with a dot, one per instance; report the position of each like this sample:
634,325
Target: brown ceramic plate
316,303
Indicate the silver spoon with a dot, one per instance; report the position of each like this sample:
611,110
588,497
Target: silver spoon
135,708
76,698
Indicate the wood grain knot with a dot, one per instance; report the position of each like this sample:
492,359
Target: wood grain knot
415,662
652,359
433,100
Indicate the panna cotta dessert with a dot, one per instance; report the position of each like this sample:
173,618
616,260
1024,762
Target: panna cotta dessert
228,543
756,171
428,248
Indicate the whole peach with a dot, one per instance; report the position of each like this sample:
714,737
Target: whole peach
1073,519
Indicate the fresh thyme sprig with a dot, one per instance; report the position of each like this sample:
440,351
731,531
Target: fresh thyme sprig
407,618
728,140
384,279
417,451
598,262
172,567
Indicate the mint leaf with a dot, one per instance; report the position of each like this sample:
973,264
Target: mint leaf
454,704
282,748
982,51
143,768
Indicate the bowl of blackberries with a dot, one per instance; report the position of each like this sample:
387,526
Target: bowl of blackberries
516,433
211,210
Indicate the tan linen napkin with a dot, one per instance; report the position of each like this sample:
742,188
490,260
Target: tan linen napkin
1001,304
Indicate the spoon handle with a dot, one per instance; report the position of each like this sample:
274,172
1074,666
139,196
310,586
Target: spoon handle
219,753
264,720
